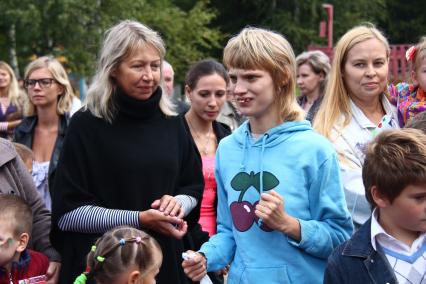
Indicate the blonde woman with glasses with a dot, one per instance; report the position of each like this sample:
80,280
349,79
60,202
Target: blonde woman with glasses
44,126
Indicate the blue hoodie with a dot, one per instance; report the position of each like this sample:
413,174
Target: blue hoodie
301,166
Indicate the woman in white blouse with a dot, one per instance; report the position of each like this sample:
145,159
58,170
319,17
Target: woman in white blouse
355,108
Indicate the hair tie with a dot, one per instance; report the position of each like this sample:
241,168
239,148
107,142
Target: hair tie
138,240
100,258
409,55
82,279
93,249
122,242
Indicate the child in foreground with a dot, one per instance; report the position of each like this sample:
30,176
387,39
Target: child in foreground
17,263
410,99
391,246
123,255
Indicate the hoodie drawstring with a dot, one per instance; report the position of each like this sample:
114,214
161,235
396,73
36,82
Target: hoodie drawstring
243,162
265,136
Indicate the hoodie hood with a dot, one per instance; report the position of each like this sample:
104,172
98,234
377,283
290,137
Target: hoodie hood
274,135
269,139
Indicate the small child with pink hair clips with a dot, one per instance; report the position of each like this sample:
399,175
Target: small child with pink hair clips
410,99
123,255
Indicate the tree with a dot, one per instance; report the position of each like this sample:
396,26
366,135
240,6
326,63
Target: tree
73,29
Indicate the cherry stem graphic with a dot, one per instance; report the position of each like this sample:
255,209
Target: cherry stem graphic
240,198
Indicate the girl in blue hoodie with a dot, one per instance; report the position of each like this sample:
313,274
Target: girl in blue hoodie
281,208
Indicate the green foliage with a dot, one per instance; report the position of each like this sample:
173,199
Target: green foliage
186,34
192,29
73,29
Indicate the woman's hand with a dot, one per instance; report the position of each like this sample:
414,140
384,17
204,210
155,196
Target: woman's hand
270,210
13,124
169,206
52,273
196,267
167,225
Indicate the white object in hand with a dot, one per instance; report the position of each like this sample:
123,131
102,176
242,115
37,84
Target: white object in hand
188,256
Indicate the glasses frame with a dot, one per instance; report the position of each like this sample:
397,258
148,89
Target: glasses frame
42,82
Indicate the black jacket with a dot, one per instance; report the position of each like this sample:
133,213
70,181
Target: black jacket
24,134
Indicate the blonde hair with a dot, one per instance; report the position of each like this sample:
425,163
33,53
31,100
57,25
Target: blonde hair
119,249
420,53
60,75
336,100
119,42
255,48
319,63
13,93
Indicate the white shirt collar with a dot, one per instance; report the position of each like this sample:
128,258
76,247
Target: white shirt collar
378,234
363,121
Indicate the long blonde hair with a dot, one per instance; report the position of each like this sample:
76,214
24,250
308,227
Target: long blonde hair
255,48
336,99
61,77
120,41
13,88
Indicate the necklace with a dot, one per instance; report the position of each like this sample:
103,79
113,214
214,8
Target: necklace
205,148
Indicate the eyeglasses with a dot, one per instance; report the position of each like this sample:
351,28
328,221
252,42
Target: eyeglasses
44,83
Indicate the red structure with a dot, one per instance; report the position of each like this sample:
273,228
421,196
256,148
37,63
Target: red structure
399,69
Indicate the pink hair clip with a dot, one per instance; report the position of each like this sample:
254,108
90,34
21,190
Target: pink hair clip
409,55
138,240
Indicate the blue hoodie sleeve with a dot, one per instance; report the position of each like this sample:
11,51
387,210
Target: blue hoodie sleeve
220,249
331,223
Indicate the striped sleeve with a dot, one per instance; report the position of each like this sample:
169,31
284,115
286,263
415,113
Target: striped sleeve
4,126
187,202
94,219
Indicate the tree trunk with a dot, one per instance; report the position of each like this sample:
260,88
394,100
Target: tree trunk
12,50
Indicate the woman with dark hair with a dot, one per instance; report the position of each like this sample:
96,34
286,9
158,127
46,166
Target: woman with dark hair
205,87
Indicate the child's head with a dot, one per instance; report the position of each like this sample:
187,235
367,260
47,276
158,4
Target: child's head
394,175
417,56
15,228
418,122
124,255
26,155
261,49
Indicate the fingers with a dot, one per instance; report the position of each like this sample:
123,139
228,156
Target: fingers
156,204
176,231
168,205
173,207
195,268
52,273
272,196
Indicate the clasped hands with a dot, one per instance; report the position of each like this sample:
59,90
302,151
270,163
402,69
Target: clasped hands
165,217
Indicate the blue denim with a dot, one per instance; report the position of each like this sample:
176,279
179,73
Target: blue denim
355,261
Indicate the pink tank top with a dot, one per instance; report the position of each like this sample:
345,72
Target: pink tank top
208,208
